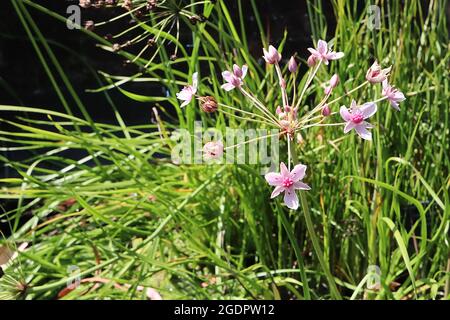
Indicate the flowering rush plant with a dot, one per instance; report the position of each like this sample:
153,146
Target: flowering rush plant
290,116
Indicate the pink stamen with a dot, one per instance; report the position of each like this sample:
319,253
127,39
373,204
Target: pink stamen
357,118
235,81
287,182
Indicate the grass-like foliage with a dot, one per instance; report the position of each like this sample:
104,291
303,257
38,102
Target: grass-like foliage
133,224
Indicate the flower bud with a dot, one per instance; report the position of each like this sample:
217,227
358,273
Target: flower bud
326,111
334,81
208,104
292,66
278,110
311,61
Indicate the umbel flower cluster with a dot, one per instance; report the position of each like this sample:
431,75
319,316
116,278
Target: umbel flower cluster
289,118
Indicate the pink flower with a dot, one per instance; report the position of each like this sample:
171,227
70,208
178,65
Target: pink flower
292,66
393,95
288,182
235,79
188,92
355,118
212,150
322,52
272,56
375,74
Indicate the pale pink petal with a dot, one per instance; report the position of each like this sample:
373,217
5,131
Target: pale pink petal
363,132
194,82
345,114
301,186
227,86
152,294
290,198
274,53
244,71
237,71
298,173
349,126
399,96
284,171
274,179
227,76
314,52
322,47
368,109
185,94
334,55
276,191
385,84
394,105
185,103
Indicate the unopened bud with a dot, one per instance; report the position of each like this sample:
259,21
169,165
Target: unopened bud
278,110
292,66
208,104
311,61
326,111
334,81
